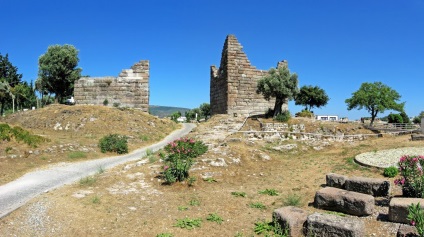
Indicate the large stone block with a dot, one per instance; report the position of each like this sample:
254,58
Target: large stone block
375,187
340,200
335,180
290,218
398,208
407,231
319,224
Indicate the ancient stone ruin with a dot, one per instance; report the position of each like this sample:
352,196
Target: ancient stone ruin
129,89
233,85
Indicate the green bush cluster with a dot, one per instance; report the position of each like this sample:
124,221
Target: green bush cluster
283,117
114,143
305,114
180,157
20,135
391,171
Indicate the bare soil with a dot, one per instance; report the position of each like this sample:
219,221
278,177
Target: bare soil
132,200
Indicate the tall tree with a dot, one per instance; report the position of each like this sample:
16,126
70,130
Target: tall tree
8,75
312,96
278,84
375,98
205,108
57,70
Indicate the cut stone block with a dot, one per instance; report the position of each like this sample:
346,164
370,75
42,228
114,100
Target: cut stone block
348,202
375,187
398,208
335,180
291,218
407,231
319,224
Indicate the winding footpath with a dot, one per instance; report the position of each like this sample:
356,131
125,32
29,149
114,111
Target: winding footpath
16,193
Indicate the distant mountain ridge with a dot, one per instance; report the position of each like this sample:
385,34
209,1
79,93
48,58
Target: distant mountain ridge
164,111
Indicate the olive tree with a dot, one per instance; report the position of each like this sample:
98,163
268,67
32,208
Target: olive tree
312,96
278,84
375,98
57,70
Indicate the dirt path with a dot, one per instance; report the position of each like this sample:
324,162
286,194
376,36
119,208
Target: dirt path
15,194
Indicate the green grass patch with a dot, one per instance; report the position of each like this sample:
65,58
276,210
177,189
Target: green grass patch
182,208
292,200
194,202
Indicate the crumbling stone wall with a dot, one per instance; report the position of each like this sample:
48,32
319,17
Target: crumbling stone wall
129,89
233,85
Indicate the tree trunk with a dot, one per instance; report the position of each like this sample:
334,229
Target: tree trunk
277,107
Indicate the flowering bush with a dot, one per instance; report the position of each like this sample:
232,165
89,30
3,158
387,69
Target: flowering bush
179,158
416,216
412,181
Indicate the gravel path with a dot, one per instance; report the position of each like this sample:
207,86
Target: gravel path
386,158
16,193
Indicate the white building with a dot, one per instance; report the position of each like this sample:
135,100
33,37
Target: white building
327,117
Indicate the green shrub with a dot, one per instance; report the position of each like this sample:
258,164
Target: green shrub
283,117
20,135
5,133
179,159
257,205
114,143
238,194
305,113
105,102
116,104
416,216
165,235
391,171
292,200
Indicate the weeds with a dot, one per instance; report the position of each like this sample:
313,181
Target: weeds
270,192
270,229
100,170
194,202
95,200
214,218
336,213
238,194
292,200
182,208
257,205
77,155
188,223
191,181
87,181
210,180
165,235
114,143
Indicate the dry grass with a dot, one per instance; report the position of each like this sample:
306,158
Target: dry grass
135,203
77,137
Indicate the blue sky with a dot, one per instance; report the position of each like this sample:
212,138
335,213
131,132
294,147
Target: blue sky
336,45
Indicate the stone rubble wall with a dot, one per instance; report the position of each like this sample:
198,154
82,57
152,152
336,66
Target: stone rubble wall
129,89
233,85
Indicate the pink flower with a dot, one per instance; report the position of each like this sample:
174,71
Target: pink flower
165,167
413,223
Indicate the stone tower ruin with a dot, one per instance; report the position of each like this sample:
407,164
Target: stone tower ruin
233,85
129,89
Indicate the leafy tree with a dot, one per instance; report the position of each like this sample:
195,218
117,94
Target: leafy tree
24,95
57,70
205,109
394,118
9,77
417,119
405,117
375,98
278,84
311,96
175,116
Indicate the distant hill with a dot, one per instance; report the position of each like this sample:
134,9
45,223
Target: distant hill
164,111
